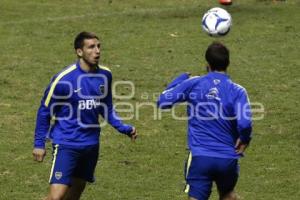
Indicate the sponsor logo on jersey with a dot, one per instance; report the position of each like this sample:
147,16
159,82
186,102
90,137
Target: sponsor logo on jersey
88,104
213,94
101,89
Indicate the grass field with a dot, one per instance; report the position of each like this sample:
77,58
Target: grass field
149,42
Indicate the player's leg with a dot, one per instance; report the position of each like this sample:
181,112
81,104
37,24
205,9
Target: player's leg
198,178
84,172
76,189
57,192
226,178
63,166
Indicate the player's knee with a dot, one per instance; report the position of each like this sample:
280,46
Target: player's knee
55,197
57,192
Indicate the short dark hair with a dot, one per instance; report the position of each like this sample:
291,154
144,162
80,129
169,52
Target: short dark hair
217,56
79,39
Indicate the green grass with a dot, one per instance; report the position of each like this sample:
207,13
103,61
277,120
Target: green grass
36,42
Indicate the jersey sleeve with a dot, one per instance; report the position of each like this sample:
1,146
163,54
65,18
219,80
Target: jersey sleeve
244,117
177,91
109,113
54,93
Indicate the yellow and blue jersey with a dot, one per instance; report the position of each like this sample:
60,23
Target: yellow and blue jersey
75,99
218,113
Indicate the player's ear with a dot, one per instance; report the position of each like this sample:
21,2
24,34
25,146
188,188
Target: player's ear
79,52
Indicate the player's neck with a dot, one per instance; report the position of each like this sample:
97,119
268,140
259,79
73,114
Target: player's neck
221,72
208,69
215,71
87,67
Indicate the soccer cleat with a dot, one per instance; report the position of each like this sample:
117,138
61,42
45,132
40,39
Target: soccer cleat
225,2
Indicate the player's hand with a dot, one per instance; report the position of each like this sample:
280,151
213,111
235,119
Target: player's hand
240,147
39,154
133,135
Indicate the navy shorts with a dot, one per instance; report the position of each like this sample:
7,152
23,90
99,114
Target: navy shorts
202,171
70,161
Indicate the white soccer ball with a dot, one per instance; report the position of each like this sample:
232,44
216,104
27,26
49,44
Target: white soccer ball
216,22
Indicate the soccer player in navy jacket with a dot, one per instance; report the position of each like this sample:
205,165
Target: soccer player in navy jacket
219,125
73,101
